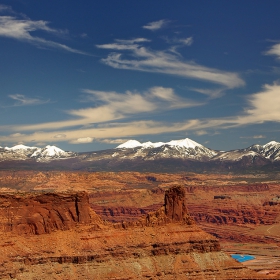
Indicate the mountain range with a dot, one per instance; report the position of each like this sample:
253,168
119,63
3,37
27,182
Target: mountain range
176,155
22,152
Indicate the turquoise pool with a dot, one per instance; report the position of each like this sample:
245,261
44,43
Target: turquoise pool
242,258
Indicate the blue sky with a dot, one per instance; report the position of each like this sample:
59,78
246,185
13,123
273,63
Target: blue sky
88,75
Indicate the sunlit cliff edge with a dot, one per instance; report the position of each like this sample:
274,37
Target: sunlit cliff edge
58,236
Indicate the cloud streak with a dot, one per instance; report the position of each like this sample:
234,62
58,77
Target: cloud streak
113,106
263,106
22,100
140,58
5,8
254,137
274,50
107,131
21,30
156,25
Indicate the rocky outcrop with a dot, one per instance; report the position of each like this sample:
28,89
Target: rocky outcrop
44,213
173,211
175,208
165,244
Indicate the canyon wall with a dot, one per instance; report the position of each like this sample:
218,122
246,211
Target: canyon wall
44,213
70,242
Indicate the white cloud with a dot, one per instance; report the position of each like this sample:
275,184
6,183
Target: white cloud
179,41
17,134
113,141
187,41
132,41
137,57
213,93
22,100
21,29
124,44
254,137
60,136
263,106
41,144
82,140
107,131
200,132
156,25
275,50
113,106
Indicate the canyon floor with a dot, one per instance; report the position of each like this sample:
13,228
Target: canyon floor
242,211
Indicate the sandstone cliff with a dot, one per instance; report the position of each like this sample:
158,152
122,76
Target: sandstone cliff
66,240
45,213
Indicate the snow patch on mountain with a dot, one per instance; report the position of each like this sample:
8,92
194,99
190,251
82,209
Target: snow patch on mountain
271,143
22,152
184,148
49,152
130,144
270,151
235,155
20,148
152,145
183,143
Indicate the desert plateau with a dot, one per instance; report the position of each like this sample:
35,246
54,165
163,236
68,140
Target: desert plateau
131,225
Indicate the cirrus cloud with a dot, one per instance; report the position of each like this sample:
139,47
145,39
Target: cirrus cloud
21,30
263,106
156,25
113,106
22,100
140,58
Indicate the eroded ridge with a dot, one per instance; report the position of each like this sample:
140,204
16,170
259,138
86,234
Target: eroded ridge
58,236
44,213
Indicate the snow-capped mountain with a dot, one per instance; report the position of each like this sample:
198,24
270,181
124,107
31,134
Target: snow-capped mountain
20,148
130,144
189,149
185,148
172,156
184,143
22,152
50,153
18,152
254,155
270,150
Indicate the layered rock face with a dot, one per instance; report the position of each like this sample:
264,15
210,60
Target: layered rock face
165,244
45,213
175,208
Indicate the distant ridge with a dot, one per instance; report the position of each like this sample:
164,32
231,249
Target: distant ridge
172,156
22,152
